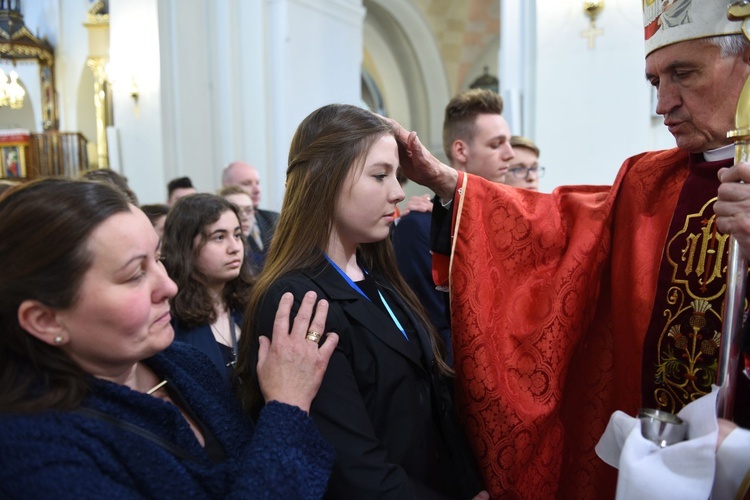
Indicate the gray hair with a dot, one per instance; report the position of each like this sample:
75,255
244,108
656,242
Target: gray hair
729,45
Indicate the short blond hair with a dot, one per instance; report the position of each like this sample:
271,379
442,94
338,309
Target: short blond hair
519,141
461,115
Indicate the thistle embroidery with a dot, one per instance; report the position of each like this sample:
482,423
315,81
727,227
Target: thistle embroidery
689,344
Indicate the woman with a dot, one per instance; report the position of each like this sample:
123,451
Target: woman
384,404
94,400
203,252
157,214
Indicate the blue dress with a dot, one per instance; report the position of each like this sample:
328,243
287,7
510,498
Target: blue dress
202,338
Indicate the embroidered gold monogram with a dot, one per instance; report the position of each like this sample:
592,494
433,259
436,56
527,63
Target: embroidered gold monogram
703,254
689,342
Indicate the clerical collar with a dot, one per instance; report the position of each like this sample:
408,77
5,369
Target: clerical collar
722,153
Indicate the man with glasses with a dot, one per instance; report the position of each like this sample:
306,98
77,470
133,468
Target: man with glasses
263,222
525,171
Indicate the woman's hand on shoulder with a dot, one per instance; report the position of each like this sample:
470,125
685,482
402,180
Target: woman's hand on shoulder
290,366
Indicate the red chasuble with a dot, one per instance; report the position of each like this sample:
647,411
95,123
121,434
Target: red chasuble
551,298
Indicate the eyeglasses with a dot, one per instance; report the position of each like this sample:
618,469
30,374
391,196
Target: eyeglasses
523,172
246,210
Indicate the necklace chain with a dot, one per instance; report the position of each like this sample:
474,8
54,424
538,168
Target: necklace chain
231,344
222,337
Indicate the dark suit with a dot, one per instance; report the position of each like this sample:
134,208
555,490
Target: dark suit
267,221
381,404
411,243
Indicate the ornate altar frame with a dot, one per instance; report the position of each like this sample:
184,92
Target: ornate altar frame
17,43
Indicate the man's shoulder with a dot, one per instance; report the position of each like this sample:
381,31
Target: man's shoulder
300,280
665,156
267,214
414,220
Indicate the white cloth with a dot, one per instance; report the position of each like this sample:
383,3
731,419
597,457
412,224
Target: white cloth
732,464
683,470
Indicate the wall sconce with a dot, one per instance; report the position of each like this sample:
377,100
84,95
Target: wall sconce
592,9
134,93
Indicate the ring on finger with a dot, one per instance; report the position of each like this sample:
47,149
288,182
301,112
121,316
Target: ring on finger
313,336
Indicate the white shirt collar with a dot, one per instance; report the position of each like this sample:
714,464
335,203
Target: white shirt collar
722,153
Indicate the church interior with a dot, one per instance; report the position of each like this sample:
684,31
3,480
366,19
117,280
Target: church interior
157,89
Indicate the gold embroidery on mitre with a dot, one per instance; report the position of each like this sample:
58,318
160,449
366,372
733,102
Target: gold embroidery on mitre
688,346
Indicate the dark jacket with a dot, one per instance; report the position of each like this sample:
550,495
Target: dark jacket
267,221
57,454
382,404
202,338
411,243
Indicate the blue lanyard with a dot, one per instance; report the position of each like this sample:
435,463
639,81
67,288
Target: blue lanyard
363,294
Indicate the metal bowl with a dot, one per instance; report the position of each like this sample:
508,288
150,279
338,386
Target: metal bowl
661,427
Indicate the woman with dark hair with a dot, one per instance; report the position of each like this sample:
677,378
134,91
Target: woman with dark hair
203,250
157,214
93,398
384,404
112,177
254,255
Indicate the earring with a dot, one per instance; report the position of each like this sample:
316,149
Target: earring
58,339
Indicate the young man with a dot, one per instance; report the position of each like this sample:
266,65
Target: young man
476,139
177,188
525,171
569,306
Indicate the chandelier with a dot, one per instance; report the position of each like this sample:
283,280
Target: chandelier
11,92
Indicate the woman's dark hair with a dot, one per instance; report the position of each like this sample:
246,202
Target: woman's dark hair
45,226
112,177
189,217
153,212
6,185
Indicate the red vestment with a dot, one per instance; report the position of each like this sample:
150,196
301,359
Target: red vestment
551,299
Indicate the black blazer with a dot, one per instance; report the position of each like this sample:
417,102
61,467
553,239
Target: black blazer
411,244
267,221
381,404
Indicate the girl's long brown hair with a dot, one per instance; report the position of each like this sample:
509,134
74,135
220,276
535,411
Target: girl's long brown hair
326,146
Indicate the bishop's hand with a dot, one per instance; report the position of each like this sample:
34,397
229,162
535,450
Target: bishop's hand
732,207
419,165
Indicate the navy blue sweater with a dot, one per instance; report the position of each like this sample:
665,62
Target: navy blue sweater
58,454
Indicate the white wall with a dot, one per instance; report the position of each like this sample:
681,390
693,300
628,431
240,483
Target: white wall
223,80
315,56
592,107
70,42
134,54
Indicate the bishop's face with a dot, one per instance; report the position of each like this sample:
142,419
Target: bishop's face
697,91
